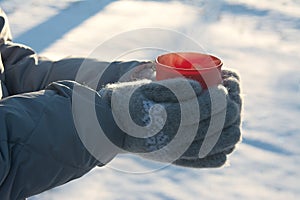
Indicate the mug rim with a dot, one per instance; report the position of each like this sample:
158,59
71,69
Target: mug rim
218,65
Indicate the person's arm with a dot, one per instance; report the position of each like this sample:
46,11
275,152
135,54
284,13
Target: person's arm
25,71
40,148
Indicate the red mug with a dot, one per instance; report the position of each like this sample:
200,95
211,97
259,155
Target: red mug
204,68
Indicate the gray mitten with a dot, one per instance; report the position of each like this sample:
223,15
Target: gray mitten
230,134
170,120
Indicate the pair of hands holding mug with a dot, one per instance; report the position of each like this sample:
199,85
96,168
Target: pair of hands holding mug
175,120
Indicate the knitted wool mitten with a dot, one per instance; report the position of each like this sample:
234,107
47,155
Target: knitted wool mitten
231,81
171,120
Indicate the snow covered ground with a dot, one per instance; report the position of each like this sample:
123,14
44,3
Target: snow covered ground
259,38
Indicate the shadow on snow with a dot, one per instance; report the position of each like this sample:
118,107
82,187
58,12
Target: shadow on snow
46,33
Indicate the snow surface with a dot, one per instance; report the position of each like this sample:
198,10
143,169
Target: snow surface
259,38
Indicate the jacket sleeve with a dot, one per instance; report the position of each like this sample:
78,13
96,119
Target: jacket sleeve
40,147
25,71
